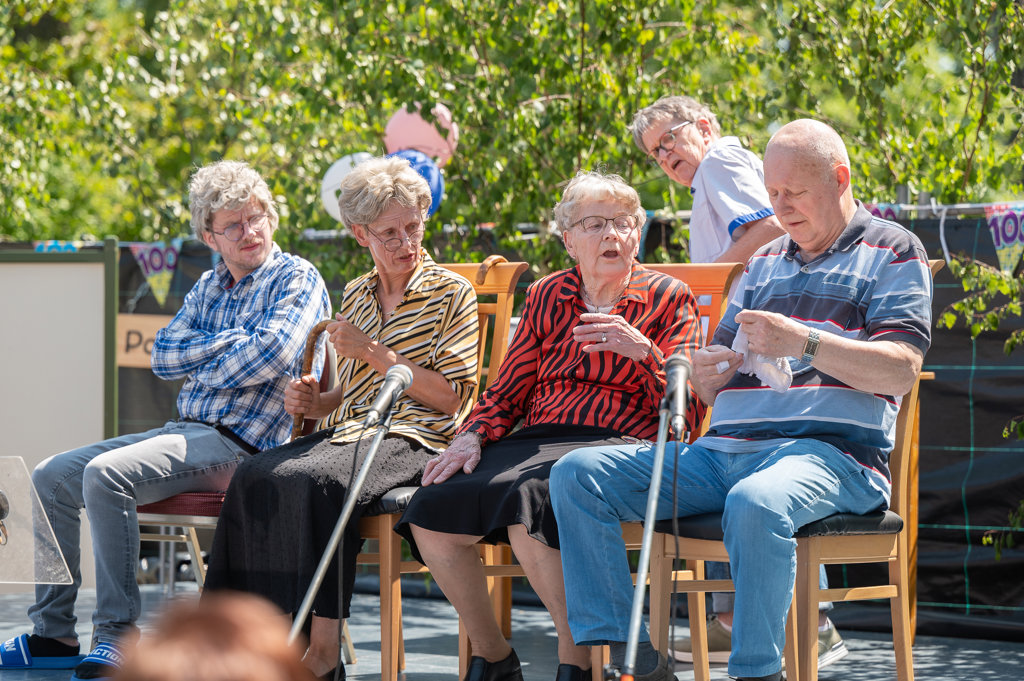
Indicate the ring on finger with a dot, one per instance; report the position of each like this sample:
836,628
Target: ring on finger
604,338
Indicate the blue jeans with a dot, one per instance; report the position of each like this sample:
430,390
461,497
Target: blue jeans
726,600
764,497
109,479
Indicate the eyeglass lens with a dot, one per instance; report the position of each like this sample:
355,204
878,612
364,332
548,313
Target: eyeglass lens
234,231
622,224
413,234
668,140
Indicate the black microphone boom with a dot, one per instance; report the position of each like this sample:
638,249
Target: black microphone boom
677,377
397,379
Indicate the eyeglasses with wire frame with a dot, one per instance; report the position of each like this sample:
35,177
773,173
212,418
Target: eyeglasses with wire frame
235,230
667,142
595,224
413,234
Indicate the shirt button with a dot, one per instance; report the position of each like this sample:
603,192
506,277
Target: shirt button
805,269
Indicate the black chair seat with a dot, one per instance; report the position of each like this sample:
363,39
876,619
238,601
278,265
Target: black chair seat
880,522
395,501
709,525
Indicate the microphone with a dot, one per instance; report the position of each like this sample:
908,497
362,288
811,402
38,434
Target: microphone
396,380
677,376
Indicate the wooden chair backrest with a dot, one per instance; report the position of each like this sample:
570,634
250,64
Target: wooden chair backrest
901,458
705,279
495,277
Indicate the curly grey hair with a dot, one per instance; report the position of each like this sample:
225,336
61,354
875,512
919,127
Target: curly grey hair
371,187
679,108
592,186
226,185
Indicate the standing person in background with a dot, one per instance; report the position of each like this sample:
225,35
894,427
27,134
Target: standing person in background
238,337
731,218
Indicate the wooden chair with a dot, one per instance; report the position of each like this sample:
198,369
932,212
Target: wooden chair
881,537
186,513
709,282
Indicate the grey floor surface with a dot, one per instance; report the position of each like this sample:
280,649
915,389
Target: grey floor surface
431,631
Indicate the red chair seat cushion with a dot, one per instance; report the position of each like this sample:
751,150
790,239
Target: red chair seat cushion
187,503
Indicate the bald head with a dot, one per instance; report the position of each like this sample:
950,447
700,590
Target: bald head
814,142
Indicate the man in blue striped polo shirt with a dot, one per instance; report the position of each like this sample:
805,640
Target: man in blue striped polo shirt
847,298
236,341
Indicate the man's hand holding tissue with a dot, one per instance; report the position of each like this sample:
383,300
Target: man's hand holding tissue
713,366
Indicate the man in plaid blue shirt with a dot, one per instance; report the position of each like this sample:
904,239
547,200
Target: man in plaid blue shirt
236,341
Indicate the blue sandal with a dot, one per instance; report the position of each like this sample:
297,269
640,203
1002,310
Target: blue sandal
14,654
105,659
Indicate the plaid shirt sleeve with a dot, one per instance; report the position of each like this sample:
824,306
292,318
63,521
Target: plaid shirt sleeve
237,357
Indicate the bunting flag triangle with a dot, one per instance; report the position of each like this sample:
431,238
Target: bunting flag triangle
1006,224
157,262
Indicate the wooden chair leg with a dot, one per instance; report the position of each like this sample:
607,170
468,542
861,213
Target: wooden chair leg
902,625
660,588
348,650
697,612
599,657
792,650
806,597
391,644
196,553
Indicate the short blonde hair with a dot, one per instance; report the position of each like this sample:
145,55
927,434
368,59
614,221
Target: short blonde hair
590,186
371,187
226,185
676,107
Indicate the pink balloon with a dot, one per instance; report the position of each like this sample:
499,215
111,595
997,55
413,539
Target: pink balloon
408,130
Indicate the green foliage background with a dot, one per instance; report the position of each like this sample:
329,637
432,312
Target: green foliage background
106,107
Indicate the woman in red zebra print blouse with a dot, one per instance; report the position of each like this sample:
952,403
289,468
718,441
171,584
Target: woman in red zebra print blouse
585,366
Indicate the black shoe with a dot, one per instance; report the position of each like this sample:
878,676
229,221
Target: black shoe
504,670
570,672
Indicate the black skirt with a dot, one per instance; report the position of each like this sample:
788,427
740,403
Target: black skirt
281,509
508,487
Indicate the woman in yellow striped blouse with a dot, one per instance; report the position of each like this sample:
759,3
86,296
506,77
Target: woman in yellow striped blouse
282,504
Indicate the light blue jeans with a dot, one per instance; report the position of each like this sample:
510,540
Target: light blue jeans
726,600
109,479
764,497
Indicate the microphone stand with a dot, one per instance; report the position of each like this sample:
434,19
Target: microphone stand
339,528
636,615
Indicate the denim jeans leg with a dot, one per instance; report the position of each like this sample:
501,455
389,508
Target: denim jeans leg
58,482
775,493
593,491
725,601
182,457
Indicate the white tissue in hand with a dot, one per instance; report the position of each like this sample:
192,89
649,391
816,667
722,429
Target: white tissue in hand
774,373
